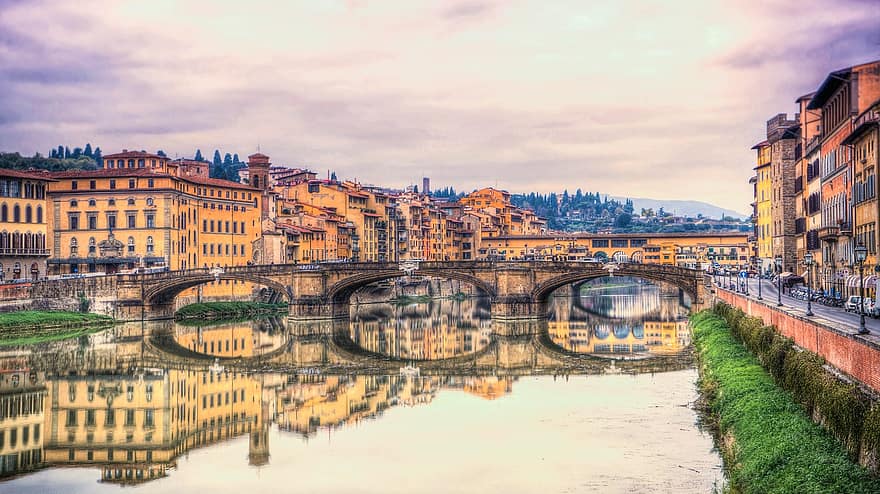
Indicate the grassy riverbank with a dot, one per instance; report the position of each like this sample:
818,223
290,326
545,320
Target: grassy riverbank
410,299
227,310
29,327
768,441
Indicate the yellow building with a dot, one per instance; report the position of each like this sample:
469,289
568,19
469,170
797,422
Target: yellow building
145,210
865,139
22,405
685,250
23,225
763,199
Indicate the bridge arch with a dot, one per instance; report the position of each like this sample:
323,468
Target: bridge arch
341,291
166,292
682,278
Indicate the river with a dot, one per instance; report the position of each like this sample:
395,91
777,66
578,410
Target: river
270,407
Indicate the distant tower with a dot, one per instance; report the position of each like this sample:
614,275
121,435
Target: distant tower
426,185
258,177
258,171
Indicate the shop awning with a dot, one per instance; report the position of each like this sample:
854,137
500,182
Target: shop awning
852,281
870,281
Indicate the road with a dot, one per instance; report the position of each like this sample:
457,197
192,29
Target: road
831,316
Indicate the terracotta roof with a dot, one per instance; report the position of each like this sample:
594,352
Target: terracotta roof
34,175
110,173
258,155
135,154
216,182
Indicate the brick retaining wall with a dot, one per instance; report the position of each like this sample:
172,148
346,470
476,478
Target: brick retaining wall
855,355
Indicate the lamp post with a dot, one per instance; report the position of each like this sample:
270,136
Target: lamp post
778,281
759,283
861,255
808,261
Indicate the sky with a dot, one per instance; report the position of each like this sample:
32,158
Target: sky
628,98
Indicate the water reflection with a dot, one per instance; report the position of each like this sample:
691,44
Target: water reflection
233,339
621,316
103,404
434,330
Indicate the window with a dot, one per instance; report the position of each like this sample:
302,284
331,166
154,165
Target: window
16,213
149,245
71,418
73,185
151,220
92,185
92,203
73,204
90,418
93,222
73,248
91,252
28,214
131,183
111,221
129,418
111,202
132,220
150,183
130,244
148,418
141,163
112,184
149,201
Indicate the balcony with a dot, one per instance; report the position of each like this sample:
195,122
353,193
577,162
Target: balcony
845,229
23,252
829,233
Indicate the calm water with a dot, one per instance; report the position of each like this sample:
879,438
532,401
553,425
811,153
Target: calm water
95,414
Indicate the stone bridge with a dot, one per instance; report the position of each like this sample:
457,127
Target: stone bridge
517,289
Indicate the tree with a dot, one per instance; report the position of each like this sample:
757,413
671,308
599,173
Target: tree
77,152
199,156
333,176
161,153
88,150
96,155
235,160
66,152
53,153
60,154
217,159
227,160
623,220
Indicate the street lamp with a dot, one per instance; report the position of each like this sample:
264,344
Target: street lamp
861,255
759,283
808,261
778,281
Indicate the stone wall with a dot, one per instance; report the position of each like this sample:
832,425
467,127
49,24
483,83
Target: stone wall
854,355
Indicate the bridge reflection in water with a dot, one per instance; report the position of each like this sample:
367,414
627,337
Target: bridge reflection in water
129,402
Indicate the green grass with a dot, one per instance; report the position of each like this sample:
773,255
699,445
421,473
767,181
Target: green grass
776,447
226,310
29,327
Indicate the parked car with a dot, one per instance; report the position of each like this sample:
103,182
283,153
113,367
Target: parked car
853,303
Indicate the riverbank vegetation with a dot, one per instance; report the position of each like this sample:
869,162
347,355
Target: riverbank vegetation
768,441
28,327
410,299
227,310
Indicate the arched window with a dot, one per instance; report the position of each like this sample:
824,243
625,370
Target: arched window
41,241
131,201
73,248
131,245
16,214
111,202
92,203
4,213
16,240
149,201
149,245
4,240
28,214
257,181
73,204
92,247
39,214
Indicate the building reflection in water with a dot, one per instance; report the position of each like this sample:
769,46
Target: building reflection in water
434,330
234,339
91,405
626,317
133,425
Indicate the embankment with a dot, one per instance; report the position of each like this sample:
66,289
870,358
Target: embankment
28,327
